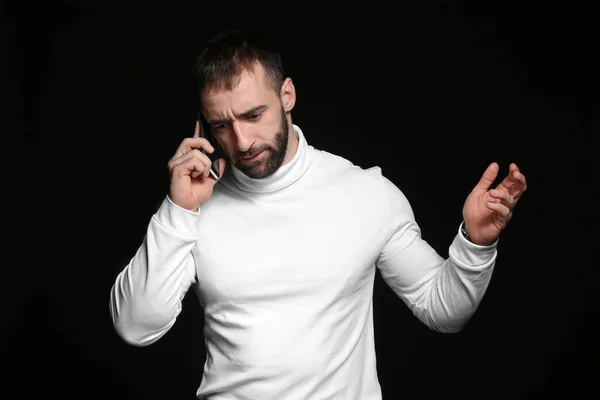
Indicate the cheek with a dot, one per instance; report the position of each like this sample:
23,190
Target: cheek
271,124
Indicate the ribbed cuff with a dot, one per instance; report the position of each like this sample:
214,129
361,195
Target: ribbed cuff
470,255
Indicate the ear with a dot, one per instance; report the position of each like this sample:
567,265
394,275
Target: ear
288,95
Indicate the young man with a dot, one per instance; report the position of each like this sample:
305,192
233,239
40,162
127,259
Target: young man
282,250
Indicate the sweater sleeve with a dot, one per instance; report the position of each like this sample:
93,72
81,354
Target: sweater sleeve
146,297
441,293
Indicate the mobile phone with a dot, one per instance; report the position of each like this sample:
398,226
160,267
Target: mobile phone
218,153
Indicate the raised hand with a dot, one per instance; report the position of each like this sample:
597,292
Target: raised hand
487,211
191,184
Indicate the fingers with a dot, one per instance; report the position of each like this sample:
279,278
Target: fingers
193,163
505,198
520,183
514,183
503,204
189,144
489,176
503,213
199,170
197,130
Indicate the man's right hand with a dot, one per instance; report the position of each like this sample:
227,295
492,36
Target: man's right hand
191,182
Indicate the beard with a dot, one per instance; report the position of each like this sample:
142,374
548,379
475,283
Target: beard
273,157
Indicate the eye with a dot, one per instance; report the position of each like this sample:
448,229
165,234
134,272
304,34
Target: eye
254,116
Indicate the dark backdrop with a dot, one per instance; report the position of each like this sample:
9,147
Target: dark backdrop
99,94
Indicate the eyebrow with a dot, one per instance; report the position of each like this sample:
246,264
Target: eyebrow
249,111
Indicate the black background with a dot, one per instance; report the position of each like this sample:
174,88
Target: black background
98,95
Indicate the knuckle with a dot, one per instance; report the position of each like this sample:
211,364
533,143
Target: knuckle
202,155
184,164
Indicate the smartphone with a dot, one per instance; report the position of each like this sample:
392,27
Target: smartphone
218,153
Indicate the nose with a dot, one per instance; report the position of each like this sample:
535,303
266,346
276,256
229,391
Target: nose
243,141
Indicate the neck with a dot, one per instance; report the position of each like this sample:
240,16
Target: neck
298,160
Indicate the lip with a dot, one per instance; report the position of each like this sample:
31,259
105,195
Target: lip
254,158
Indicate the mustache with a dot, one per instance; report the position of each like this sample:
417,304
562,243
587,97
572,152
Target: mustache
249,154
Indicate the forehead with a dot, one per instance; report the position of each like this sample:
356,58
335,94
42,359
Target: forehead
251,89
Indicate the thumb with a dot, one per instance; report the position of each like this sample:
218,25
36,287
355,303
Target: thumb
488,177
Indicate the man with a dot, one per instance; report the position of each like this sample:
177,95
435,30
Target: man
282,250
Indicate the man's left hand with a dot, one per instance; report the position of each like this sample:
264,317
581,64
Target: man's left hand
487,212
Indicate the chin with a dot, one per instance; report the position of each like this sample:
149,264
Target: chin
261,170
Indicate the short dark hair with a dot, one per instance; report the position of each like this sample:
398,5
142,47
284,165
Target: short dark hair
229,53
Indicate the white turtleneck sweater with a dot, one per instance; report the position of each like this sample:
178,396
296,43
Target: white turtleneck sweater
284,270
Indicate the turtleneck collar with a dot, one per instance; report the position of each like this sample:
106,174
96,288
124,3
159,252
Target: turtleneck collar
284,176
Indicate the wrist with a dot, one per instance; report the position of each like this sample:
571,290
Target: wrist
463,231
465,234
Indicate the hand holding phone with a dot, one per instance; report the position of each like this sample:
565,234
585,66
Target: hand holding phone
195,168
